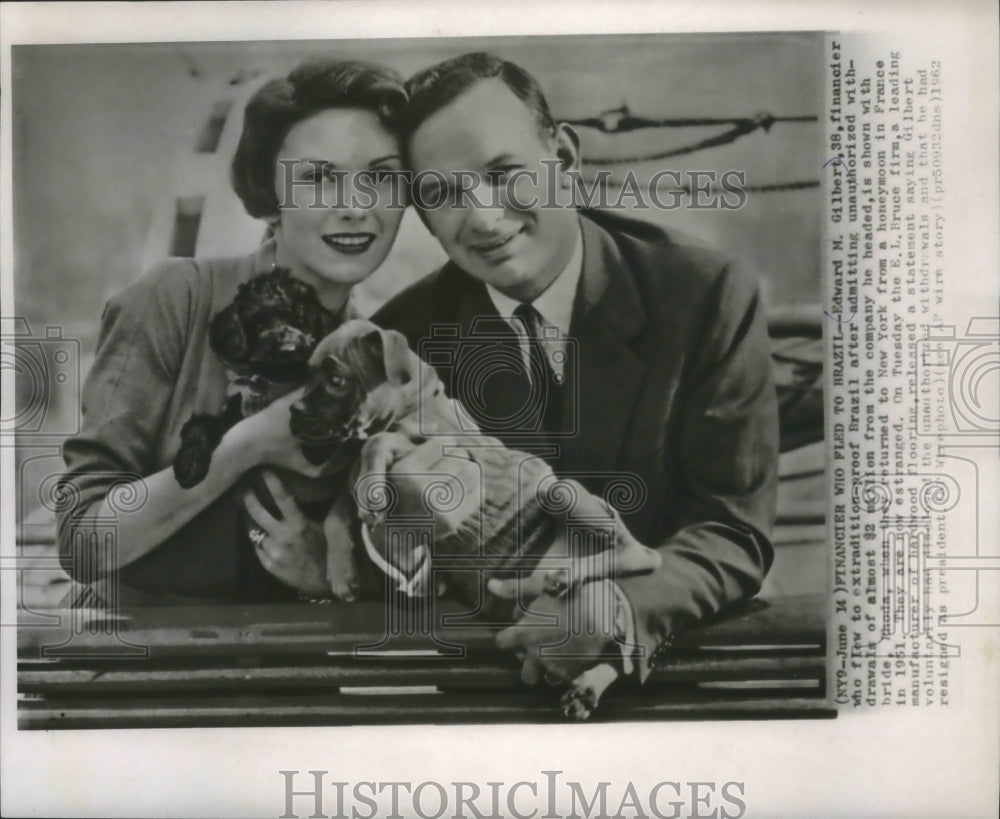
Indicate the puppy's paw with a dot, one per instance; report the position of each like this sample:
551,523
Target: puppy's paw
584,693
341,569
344,590
200,435
191,464
345,585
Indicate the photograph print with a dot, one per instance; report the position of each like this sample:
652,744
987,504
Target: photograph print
441,380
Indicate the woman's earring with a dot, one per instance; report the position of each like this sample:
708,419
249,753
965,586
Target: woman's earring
272,233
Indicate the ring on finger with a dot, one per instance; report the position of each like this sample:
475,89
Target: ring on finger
257,535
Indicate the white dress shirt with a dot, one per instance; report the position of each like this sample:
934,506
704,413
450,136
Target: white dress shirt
554,305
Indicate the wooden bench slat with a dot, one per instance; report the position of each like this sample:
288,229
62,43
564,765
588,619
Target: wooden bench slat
89,682
291,629
299,665
357,709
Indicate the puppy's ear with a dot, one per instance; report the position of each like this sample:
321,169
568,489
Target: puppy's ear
226,335
390,348
371,343
401,365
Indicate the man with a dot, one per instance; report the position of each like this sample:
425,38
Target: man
650,353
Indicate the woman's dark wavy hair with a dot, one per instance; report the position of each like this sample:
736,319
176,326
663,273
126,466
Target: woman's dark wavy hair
315,85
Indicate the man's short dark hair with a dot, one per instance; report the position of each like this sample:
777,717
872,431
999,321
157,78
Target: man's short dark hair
433,88
314,86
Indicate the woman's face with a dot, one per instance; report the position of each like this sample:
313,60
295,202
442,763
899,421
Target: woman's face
337,180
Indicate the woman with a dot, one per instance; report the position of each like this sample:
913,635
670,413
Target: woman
304,140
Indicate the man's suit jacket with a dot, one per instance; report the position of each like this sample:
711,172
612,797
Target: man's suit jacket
672,382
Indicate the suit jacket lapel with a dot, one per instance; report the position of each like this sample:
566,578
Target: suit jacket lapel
474,306
488,345
604,384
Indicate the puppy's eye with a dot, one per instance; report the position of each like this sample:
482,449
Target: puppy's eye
332,369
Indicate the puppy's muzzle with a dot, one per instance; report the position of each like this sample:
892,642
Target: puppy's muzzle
311,427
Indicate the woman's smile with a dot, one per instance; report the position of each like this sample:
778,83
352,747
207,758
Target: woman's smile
353,244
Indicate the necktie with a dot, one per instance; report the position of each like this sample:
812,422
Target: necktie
545,389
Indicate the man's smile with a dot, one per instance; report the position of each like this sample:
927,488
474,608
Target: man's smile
496,247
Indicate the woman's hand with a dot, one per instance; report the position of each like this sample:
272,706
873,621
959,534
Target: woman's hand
267,438
292,547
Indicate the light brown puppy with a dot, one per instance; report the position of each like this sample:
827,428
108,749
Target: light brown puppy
367,386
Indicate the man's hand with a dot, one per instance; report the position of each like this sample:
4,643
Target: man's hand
559,638
292,547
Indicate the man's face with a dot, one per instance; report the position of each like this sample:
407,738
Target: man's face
486,142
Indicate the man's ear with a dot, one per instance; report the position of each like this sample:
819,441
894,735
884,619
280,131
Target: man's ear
567,149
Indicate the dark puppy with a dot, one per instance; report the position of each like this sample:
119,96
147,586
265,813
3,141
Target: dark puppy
367,385
265,338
